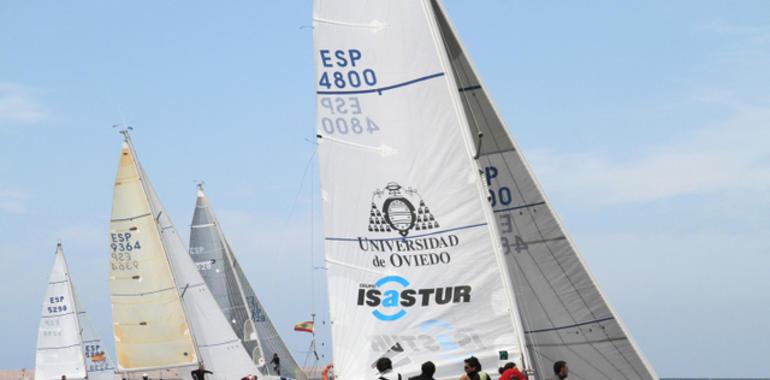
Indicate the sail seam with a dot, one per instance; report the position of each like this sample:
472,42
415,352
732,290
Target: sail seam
380,90
142,294
570,326
520,207
56,316
219,344
130,218
58,348
412,237
469,88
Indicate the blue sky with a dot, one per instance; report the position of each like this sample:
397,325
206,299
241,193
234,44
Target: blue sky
648,124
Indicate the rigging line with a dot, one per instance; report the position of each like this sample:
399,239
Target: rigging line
301,183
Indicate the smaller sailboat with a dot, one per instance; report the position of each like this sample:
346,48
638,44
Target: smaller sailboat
224,276
67,344
164,315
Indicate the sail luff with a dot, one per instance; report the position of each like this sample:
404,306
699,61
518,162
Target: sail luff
60,251
472,154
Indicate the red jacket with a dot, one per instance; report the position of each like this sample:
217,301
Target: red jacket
513,374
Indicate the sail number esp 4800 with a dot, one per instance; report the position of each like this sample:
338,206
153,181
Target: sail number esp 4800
343,77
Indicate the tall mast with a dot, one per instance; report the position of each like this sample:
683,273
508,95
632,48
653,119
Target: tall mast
482,189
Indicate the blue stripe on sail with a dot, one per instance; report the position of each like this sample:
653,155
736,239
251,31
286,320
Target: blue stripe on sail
522,206
570,326
380,90
412,237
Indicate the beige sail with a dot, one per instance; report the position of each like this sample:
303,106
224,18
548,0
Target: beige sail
149,323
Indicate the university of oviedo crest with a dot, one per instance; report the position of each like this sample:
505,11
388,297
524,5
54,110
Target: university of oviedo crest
398,212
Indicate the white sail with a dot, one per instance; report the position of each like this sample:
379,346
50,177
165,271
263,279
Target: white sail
149,323
219,348
563,311
59,343
224,276
412,253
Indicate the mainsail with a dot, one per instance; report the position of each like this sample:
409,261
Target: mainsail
223,275
564,313
164,314
59,342
436,273
414,259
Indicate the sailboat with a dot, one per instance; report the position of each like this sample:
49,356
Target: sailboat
223,275
164,315
439,242
67,343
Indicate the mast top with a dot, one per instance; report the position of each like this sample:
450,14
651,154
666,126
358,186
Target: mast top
124,131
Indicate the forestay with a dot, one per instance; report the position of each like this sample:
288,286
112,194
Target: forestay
220,269
59,343
563,311
215,341
413,261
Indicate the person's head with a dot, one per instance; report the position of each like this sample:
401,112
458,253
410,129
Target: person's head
560,369
472,365
428,368
509,365
384,364
145,376
63,377
275,354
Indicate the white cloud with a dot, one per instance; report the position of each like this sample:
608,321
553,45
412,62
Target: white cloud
17,105
734,155
13,201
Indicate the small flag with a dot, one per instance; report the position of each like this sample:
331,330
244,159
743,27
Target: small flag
306,326
98,357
